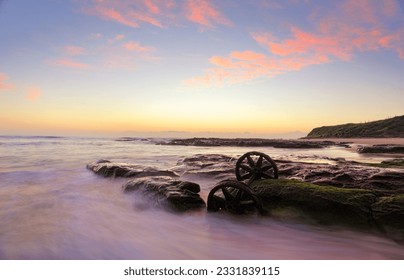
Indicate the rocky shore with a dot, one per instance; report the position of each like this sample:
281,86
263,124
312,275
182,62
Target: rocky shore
346,193
253,142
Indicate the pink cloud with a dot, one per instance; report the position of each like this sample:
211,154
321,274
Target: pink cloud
119,37
204,13
159,13
33,93
134,46
69,64
4,83
306,44
339,34
239,67
130,13
74,50
152,7
113,15
247,55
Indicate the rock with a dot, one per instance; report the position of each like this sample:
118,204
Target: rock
390,182
383,148
325,204
215,165
332,205
388,213
253,142
190,186
107,168
342,174
165,191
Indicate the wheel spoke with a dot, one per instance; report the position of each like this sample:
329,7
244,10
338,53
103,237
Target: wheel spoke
245,167
267,167
238,197
220,201
227,194
250,161
259,161
246,176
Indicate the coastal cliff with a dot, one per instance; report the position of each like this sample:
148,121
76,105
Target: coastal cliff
388,128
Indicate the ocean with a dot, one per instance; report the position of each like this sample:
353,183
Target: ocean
52,207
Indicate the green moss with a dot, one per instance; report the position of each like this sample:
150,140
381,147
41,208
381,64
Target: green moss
326,204
393,127
388,213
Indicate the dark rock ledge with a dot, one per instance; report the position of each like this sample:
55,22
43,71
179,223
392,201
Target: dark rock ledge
382,149
167,192
107,168
254,142
356,208
158,185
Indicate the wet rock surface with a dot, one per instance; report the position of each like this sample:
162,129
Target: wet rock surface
254,142
213,165
346,175
383,148
358,208
342,173
167,192
343,192
107,168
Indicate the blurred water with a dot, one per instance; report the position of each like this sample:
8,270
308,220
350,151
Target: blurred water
51,207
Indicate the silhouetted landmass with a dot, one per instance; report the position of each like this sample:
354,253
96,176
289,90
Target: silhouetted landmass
388,128
252,142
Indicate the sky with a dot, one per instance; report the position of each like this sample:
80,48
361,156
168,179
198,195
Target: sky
249,68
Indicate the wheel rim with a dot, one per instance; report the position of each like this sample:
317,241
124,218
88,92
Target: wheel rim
233,196
254,166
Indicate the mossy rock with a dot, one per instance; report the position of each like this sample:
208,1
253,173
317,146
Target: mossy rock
388,213
324,204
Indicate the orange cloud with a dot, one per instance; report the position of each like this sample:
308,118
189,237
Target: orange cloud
204,13
33,93
4,84
134,46
70,64
74,50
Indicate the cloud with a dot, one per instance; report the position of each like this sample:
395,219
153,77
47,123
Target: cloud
129,13
338,33
159,13
33,93
116,52
204,13
134,46
74,50
240,67
4,83
65,62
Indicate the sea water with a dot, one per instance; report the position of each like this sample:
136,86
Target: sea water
52,207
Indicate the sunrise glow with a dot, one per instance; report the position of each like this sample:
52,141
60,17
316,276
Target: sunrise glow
155,67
